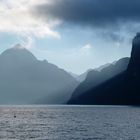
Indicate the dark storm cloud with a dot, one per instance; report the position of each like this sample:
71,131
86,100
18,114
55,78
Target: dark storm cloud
98,13
108,18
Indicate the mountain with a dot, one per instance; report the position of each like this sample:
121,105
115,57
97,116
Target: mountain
80,78
96,77
83,76
26,80
123,89
102,67
74,75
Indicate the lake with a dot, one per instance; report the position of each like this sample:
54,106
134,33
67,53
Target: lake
69,123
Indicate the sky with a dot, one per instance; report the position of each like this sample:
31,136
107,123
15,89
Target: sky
74,35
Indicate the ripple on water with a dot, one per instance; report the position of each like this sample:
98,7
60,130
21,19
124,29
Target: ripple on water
69,122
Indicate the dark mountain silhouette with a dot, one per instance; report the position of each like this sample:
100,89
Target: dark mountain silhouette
83,76
123,89
95,78
26,80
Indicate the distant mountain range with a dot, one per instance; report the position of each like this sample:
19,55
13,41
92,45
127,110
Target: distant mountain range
83,76
26,80
100,75
122,89
80,77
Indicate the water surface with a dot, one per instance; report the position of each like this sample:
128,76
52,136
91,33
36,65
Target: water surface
69,123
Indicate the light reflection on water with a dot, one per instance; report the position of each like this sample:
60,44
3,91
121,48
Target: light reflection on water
69,122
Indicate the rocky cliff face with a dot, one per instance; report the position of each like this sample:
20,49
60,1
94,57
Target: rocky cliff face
132,80
134,64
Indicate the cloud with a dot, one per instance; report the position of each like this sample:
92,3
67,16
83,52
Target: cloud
97,13
28,42
40,18
110,18
86,49
16,17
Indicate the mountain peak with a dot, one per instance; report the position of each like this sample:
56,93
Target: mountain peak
18,54
135,54
138,34
18,46
136,40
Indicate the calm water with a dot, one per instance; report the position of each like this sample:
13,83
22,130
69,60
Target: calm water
69,123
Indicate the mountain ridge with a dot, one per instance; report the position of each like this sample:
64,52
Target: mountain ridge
123,89
26,80
95,78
